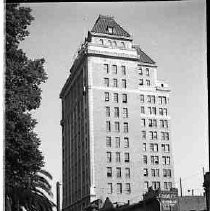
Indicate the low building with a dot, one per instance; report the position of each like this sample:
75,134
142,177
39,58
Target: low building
192,203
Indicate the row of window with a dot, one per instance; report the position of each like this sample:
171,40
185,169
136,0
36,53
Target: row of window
116,126
154,147
162,100
153,135
114,69
115,82
153,111
118,171
146,82
115,97
140,70
119,188
156,185
117,142
155,160
153,123
156,172
112,43
118,157
116,112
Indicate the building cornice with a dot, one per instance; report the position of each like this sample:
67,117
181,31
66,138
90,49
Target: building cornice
110,36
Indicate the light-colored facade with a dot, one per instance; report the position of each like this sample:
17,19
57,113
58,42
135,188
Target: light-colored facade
115,122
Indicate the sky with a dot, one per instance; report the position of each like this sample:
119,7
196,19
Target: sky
172,33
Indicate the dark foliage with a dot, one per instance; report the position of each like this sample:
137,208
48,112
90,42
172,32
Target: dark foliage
23,77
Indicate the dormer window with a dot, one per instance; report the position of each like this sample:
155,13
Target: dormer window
123,44
110,30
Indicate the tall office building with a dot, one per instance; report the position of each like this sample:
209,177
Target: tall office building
116,136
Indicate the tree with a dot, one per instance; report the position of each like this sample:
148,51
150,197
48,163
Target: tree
33,196
23,77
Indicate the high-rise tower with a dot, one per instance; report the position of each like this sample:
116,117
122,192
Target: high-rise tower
116,136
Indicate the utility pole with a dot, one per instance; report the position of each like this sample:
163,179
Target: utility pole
58,195
180,182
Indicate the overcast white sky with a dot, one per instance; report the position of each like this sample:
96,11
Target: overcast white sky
171,33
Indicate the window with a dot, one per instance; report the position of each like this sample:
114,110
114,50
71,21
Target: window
123,70
125,127
145,172
143,122
124,98
117,142
167,185
150,122
124,83
115,43
153,147
109,157
127,172
106,68
147,71
149,99
109,42
127,188
106,82
154,110
107,111
109,171
126,142
148,82
119,188
101,41
161,111
116,97
144,159
115,82
110,30
153,135
117,126
117,157
110,190
141,82
153,99
165,147
166,172
118,172
114,69
143,134
127,157
123,44
155,172
140,70
108,126
116,111
125,112
146,185
108,141
142,98
166,160
106,95
144,147
155,185
165,112
154,160
142,110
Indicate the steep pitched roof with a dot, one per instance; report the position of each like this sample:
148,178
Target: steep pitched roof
103,22
143,56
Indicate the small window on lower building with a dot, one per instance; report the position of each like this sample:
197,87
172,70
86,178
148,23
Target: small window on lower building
119,188
110,190
109,171
127,188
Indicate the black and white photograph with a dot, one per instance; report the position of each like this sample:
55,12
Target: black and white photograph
105,106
